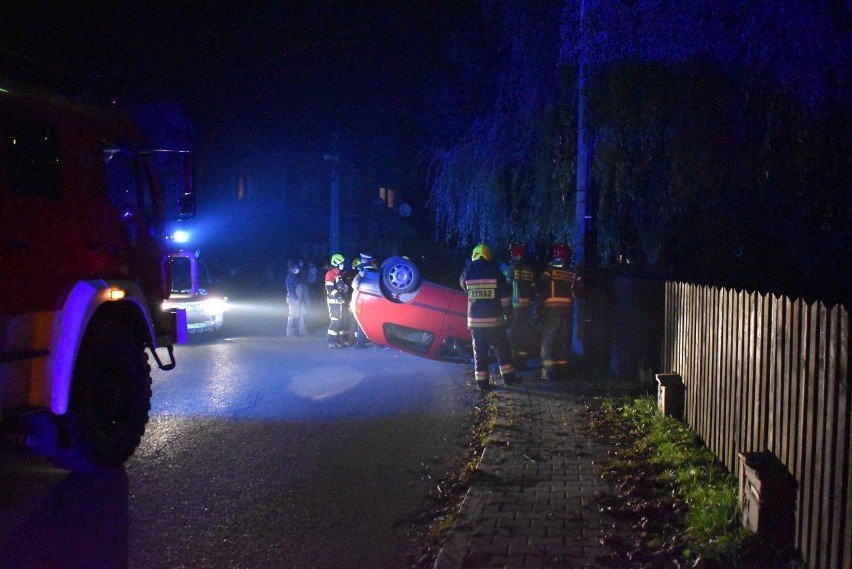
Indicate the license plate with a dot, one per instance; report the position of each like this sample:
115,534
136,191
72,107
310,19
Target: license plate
196,326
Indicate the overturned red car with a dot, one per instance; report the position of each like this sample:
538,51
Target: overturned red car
396,308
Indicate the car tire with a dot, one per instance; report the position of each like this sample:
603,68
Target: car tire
110,399
400,276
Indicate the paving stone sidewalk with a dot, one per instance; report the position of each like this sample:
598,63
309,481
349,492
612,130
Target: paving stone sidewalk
532,502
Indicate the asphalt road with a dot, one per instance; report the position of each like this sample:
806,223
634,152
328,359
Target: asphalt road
262,451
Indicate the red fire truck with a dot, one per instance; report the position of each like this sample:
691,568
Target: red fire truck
83,273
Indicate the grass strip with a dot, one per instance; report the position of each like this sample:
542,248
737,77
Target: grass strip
679,500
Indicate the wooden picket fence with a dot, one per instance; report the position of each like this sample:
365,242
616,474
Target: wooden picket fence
767,373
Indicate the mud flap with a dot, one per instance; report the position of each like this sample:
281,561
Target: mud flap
32,430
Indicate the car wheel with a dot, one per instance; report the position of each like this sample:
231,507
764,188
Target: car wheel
110,399
400,276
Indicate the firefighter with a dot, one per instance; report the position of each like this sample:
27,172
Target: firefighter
368,262
363,264
335,292
521,279
354,334
347,330
489,308
556,289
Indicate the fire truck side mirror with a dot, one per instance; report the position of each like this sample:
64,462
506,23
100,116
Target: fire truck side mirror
186,201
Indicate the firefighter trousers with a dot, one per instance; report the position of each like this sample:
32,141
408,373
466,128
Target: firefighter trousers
555,342
483,339
522,335
335,325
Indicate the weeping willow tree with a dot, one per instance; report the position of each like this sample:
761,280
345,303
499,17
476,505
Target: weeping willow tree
501,183
719,130
718,137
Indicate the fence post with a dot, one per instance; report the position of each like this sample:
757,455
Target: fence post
670,394
767,498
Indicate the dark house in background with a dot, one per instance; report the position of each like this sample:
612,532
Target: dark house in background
258,207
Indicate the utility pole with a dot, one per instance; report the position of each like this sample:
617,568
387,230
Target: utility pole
583,211
334,199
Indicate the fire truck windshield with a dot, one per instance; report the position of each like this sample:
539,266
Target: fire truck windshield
127,184
181,275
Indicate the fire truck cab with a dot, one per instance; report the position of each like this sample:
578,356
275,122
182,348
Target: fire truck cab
83,273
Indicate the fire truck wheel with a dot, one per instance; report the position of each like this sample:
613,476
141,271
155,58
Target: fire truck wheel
110,399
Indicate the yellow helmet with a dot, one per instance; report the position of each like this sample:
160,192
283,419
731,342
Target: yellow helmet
337,260
356,262
481,251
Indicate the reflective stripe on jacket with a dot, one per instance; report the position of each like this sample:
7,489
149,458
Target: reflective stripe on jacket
556,285
522,280
488,294
333,296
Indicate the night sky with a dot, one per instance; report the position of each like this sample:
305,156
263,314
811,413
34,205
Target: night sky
268,74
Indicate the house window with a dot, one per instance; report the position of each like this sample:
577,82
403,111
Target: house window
245,187
387,196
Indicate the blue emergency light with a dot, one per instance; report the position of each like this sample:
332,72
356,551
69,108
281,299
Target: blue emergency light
181,236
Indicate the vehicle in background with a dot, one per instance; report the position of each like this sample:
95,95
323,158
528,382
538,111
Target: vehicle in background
83,255
397,309
195,290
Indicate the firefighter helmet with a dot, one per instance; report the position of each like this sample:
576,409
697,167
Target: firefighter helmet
561,252
337,260
516,251
481,251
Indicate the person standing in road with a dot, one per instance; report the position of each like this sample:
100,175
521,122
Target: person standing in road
489,308
363,264
556,289
313,284
335,291
351,328
304,291
368,262
347,327
521,279
295,300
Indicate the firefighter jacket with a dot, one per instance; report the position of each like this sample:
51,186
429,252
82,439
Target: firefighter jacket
521,279
335,286
489,297
556,284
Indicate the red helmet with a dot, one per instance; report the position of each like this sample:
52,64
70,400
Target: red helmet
561,252
516,251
